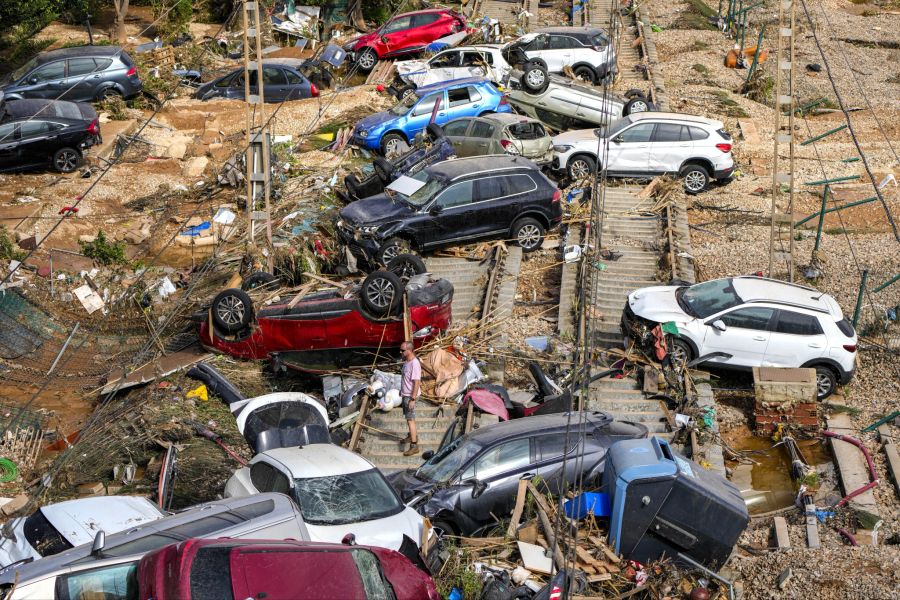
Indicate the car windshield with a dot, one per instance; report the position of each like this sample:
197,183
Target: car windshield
708,298
43,536
619,126
448,460
348,498
402,107
425,193
21,71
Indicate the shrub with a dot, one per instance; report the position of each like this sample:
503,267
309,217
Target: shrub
104,251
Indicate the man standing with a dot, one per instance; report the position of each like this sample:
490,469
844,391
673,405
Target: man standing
410,388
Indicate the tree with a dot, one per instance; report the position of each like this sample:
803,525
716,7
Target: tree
121,7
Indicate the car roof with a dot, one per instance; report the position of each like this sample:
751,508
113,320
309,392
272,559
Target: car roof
319,460
584,30
508,118
535,424
442,85
79,520
458,167
50,109
761,289
657,116
77,51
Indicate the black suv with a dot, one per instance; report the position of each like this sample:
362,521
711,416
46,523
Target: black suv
81,74
453,202
41,133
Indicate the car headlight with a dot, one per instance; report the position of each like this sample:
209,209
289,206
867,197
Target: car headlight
562,148
369,230
362,133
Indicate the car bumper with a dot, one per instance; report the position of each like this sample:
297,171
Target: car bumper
362,248
723,175
370,143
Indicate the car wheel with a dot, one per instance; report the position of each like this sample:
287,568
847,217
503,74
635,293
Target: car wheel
696,178
66,160
586,73
444,527
391,144
581,167
434,131
367,59
826,382
108,93
638,104
405,92
529,234
535,78
232,310
257,279
382,293
391,249
383,168
407,265
680,351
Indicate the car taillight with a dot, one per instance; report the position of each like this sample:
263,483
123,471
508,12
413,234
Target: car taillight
557,195
509,146
313,90
131,72
504,101
94,127
850,347
724,147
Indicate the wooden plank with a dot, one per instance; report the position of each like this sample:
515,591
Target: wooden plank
520,506
358,427
850,463
781,533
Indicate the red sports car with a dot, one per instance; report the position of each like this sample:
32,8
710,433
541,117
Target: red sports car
327,330
203,569
408,33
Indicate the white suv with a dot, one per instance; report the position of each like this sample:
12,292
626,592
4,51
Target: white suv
752,322
647,144
585,49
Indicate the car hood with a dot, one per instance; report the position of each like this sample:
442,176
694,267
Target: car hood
406,67
374,210
578,135
408,485
657,304
385,533
374,120
366,39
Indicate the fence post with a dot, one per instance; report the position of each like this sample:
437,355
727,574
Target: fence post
859,297
821,218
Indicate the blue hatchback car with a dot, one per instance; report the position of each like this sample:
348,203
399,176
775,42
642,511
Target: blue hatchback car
471,97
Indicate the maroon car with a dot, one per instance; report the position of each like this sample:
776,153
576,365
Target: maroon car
220,569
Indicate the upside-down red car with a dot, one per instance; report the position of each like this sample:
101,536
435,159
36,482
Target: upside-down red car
205,569
405,34
327,330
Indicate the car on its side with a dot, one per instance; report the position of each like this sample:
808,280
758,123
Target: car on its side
37,134
406,34
482,60
586,50
648,144
107,568
453,202
339,492
748,321
386,131
471,482
275,569
282,81
501,133
79,74
55,528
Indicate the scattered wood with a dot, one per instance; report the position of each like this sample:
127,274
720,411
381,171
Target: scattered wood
520,506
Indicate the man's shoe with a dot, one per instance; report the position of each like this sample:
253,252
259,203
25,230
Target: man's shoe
413,450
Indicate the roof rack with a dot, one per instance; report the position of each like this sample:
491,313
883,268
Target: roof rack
796,285
791,304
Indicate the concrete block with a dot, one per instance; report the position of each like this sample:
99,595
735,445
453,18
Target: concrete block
851,464
90,489
781,532
194,167
14,504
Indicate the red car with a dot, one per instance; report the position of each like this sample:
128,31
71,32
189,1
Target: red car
408,33
327,330
203,569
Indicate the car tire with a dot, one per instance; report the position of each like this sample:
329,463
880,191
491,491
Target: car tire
381,293
826,382
535,78
407,265
108,93
434,131
581,166
351,182
638,104
695,177
445,527
633,93
404,91
257,279
528,233
586,73
680,351
383,169
232,310
390,143
66,160
391,249
367,60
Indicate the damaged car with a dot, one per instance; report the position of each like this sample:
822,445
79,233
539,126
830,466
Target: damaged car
501,133
282,81
748,321
483,60
37,134
470,483
585,50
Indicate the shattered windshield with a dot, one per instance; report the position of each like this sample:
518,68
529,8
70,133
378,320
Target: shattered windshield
349,498
708,298
426,192
448,460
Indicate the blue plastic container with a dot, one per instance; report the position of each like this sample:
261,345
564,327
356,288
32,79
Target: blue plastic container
595,503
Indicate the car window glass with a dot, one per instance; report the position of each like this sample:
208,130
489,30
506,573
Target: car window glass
211,574
474,95
471,59
756,317
538,43
482,129
30,128
273,76
489,188
254,79
261,475
457,127
424,19
797,323
518,184
43,536
280,483
638,133
599,41
503,458
707,298
226,81
457,194
458,97
444,60
426,105
526,131
551,446
7,131
347,498
81,66
117,582
292,78
667,132
102,63
51,72
697,133
397,24
370,571
561,42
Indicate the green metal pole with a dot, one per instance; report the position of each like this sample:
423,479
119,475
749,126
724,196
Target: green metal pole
835,180
893,279
835,209
859,297
852,159
821,218
823,135
755,62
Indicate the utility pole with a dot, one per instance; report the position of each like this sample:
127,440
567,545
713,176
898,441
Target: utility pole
781,238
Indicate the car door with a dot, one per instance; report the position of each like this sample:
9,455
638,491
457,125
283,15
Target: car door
424,29
445,66
539,48
37,142
275,84
745,336
629,151
456,132
452,221
81,80
461,102
420,114
480,136
670,146
9,152
45,81
796,338
500,200
297,86
498,469
395,35
475,64
560,52
551,450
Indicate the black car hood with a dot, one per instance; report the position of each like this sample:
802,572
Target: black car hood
408,485
376,209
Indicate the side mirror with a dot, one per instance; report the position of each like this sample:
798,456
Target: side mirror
348,540
428,455
478,488
719,324
33,80
434,210
99,543
617,139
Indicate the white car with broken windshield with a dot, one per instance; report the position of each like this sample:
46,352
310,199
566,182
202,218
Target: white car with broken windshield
338,492
456,63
